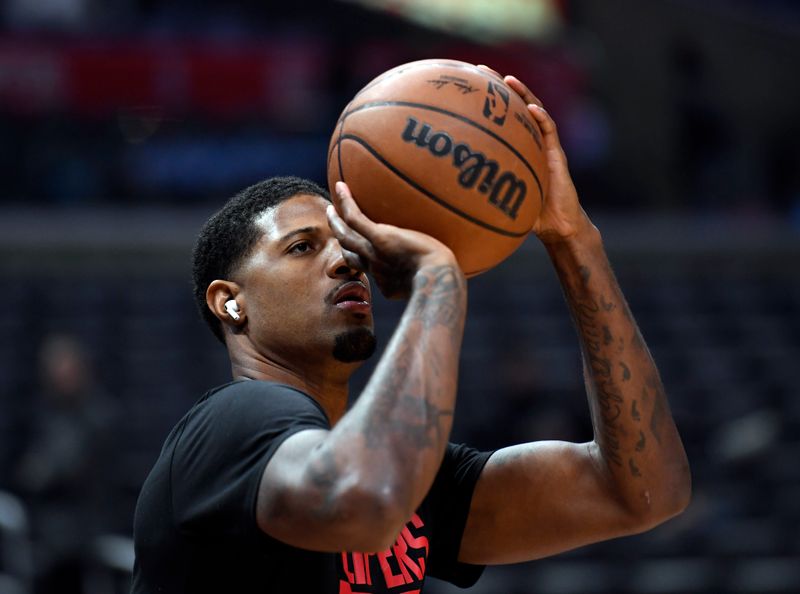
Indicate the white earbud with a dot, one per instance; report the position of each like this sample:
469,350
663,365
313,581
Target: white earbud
232,308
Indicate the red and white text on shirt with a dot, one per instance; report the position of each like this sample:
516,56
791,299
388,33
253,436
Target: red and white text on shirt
403,564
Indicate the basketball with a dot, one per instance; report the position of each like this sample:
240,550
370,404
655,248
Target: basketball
443,147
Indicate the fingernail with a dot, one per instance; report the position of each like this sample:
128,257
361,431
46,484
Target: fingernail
329,210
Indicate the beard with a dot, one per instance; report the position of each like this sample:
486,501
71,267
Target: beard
354,345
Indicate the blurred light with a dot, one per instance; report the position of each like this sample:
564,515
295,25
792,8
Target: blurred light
486,21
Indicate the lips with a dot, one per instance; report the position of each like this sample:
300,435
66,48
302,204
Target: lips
352,292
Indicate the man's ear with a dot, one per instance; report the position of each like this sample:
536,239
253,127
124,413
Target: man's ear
226,302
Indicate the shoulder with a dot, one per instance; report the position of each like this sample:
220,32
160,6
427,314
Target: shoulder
462,463
257,400
236,415
458,474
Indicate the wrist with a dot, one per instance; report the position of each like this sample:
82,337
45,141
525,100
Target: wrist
586,238
437,271
438,260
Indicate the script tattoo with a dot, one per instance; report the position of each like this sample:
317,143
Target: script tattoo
630,414
609,399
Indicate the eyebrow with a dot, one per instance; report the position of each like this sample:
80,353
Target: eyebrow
301,231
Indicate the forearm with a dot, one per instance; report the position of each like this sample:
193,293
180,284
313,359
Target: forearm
394,437
639,446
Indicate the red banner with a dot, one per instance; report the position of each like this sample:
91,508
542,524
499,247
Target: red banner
208,77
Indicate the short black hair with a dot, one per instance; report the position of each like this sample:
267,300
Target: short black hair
229,235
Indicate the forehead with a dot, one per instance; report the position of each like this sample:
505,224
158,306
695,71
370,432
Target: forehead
302,210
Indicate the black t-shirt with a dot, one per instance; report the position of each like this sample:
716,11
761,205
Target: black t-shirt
195,527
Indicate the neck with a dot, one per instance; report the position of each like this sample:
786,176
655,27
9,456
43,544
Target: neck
325,381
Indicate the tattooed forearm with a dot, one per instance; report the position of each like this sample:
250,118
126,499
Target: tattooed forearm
632,423
397,431
606,399
418,423
437,299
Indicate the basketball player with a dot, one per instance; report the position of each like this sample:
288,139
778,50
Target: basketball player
269,484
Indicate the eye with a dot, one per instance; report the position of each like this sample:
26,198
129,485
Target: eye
300,247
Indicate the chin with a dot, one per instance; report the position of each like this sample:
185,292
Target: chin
354,345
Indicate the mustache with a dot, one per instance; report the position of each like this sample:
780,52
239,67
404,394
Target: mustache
356,279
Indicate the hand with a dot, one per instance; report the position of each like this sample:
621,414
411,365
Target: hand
562,217
391,254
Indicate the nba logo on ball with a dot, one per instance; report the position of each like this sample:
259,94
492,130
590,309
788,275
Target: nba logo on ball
448,149
495,107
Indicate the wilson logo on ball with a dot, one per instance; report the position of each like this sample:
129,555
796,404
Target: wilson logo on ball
506,191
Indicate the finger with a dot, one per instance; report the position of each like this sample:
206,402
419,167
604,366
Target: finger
548,127
351,241
522,90
349,211
355,261
485,68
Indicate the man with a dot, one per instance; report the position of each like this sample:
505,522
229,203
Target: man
270,485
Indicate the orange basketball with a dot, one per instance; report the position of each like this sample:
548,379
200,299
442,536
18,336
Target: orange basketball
448,149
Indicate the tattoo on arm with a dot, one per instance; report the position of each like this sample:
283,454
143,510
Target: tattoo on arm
586,274
419,424
435,303
660,407
406,412
609,399
626,373
635,412
621,376
641,443
591,311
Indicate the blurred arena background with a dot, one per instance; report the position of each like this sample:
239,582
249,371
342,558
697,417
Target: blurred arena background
124,124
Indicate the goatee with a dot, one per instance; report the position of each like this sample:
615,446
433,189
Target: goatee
354,345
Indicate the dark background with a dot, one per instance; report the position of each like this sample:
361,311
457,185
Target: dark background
124,124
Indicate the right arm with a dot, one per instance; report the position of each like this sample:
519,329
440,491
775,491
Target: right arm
354,487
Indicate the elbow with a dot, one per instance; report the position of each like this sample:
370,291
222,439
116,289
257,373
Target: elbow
342,516
669,500
678,490
683,496
372,517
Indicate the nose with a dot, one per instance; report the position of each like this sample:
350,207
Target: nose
338,265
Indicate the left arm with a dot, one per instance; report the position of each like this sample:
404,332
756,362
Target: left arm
538,499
